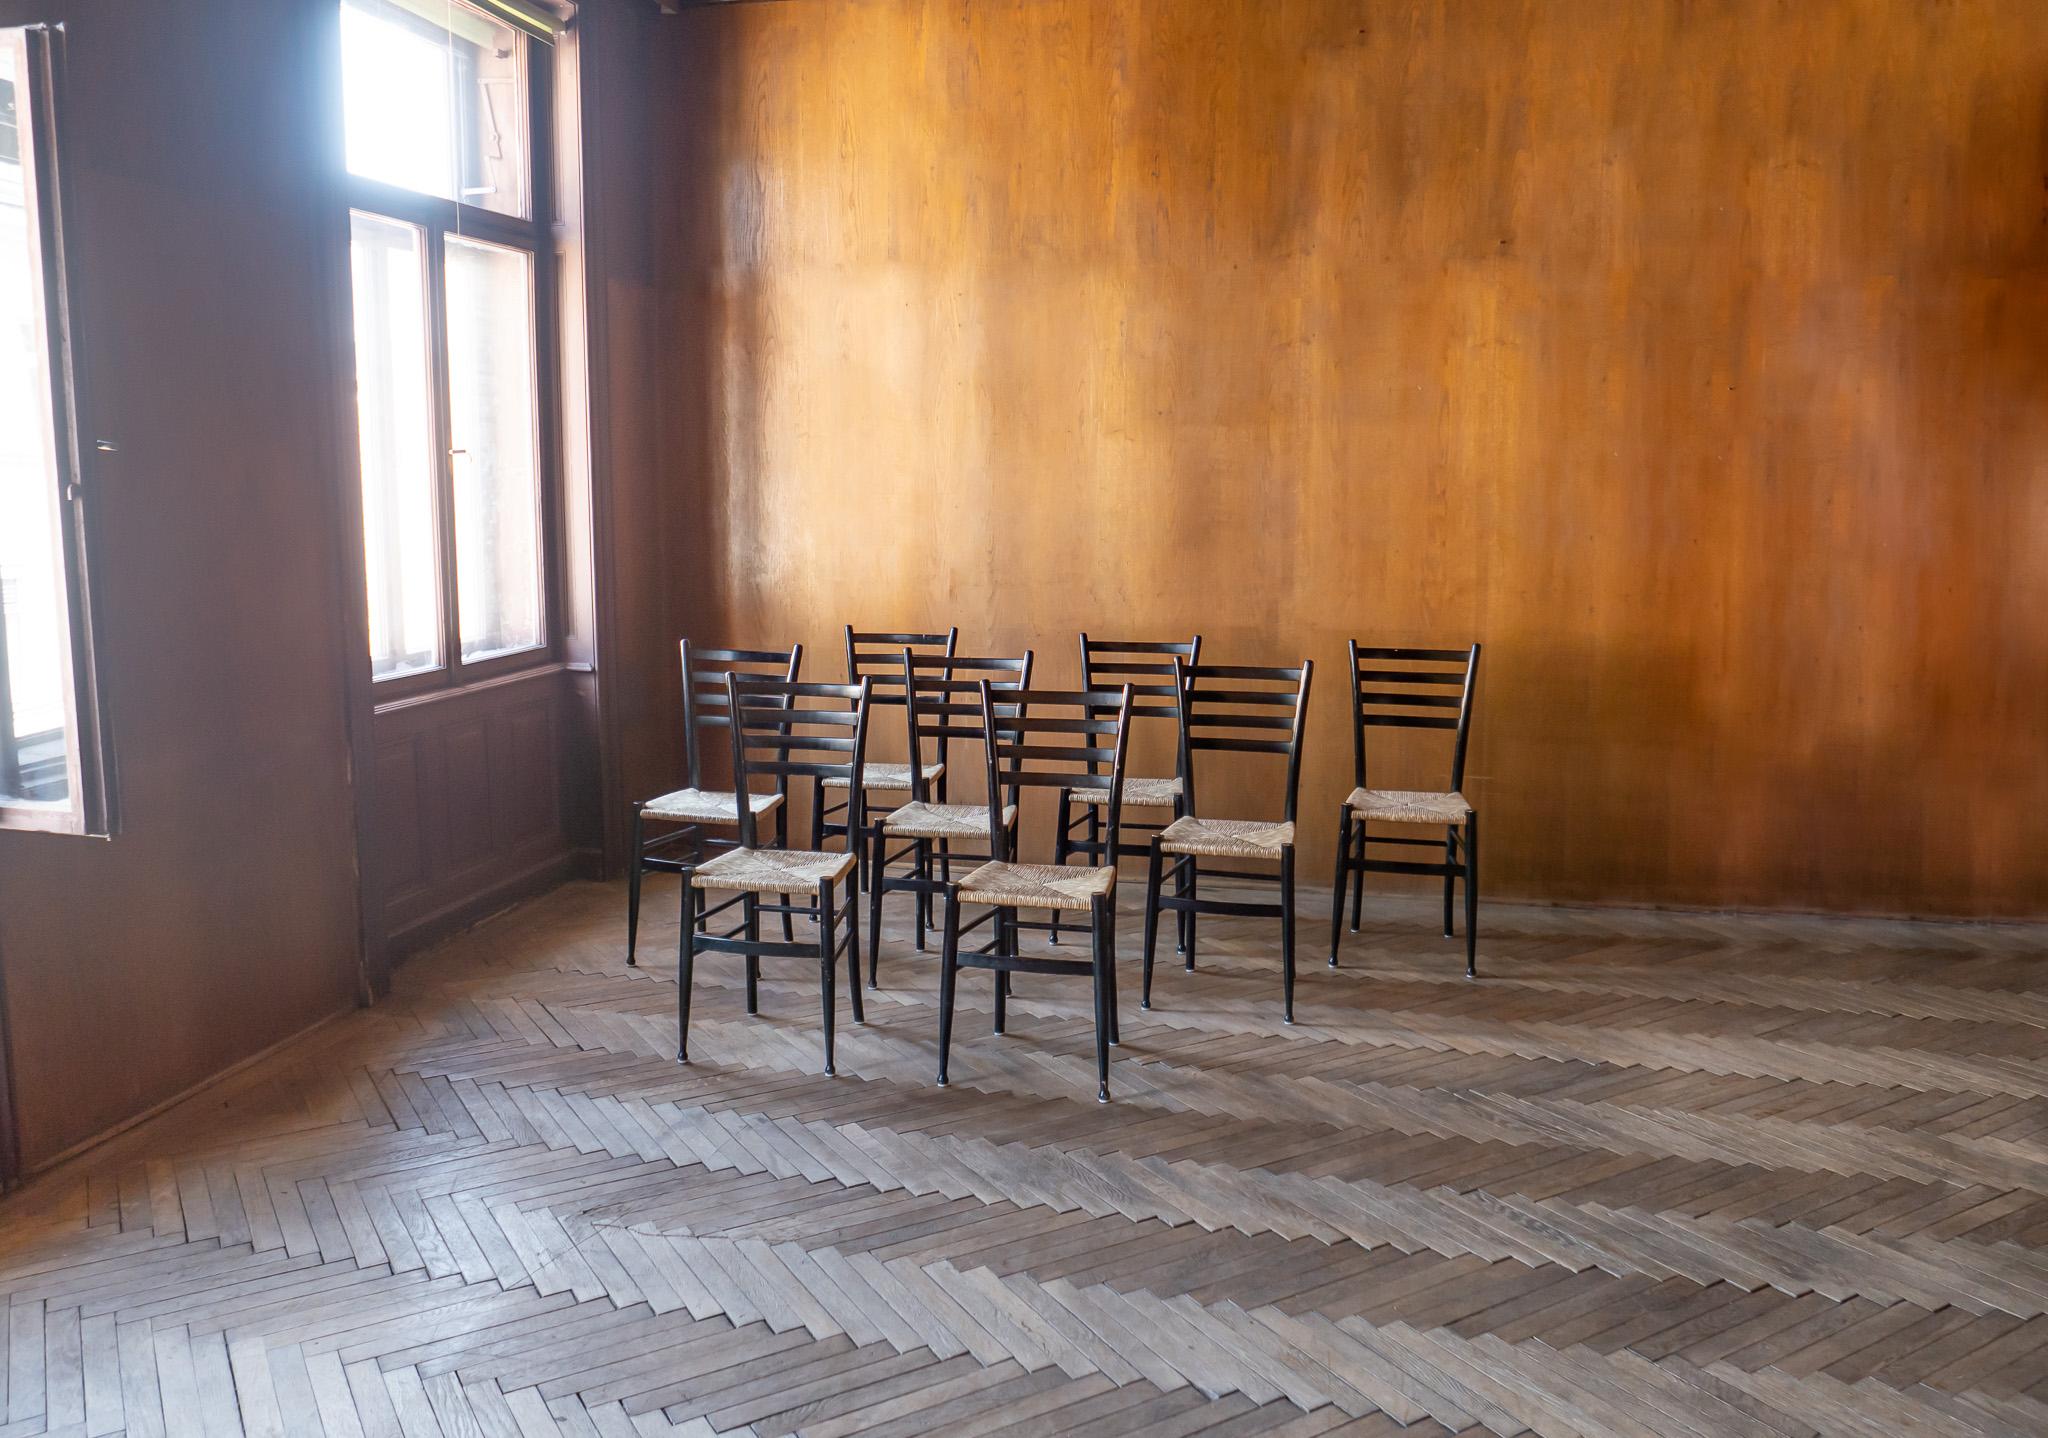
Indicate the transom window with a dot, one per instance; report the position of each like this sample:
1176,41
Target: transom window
448,262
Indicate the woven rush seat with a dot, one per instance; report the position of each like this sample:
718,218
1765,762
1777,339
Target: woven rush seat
944,821
1138,794
1227,838
1037,886
1404,806
706,806
886,776
771,871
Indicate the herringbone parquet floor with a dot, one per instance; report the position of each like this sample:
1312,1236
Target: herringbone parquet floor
1652,1175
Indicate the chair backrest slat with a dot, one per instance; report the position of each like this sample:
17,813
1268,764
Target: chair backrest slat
943,703
1237,709
878,655
1407,688
1053,739
784,729
705,702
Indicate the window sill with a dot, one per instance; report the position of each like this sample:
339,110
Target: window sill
428,697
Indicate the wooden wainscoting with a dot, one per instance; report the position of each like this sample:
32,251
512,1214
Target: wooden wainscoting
468,807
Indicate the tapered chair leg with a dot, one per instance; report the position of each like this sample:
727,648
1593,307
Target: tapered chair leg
633,891
1450,880
1337,892
1472,896
782,842
1287,933
1102,981
1007,944
1062,846
686,967
1358,876
1116,1036
853,956
1151,924
921,863
817,815
750,907
875,892
949,955
1194,893
828,961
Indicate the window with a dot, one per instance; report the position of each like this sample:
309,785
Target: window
50,767
449,246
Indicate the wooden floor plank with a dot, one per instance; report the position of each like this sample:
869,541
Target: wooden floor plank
1666,1174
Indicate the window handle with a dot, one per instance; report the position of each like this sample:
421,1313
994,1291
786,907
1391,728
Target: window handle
106,446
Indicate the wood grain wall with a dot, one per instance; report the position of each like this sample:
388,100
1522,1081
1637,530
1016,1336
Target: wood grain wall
1693,354
223,917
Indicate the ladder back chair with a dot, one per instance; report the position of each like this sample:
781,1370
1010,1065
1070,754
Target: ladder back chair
942,704
691,809
1070,740
783,730
877,656
1410,689
1232,709
1147,667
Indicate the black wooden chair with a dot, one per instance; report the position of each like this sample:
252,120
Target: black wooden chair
782,730
1226,708
942,704
1410,689
1147,667
686,813
876,656
1062,739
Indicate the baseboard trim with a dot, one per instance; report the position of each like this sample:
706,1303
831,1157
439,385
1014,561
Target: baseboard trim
459,914
163,1106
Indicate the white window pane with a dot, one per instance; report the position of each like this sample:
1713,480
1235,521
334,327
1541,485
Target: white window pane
434,100
35,629
392,388
492,420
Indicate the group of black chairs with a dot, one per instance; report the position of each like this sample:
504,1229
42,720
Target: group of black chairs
1075,742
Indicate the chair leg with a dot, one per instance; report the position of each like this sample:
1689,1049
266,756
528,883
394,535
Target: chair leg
921,863
782,842
853,955
633,891
817,815
1194,882
1006,943
1287,933
1472,896
1101,1003
1116,1036
750,907
1450,880
1151,923
1183,919
876,889
949,955
1358,875
828,961
1062,846
1337,892
686,967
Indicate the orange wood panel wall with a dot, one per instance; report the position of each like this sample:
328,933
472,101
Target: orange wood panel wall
1694,356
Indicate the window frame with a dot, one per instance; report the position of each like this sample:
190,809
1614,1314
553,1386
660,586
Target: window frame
89,758
438,218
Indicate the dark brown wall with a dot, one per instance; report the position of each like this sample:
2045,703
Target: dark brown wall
223,917
1691,355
